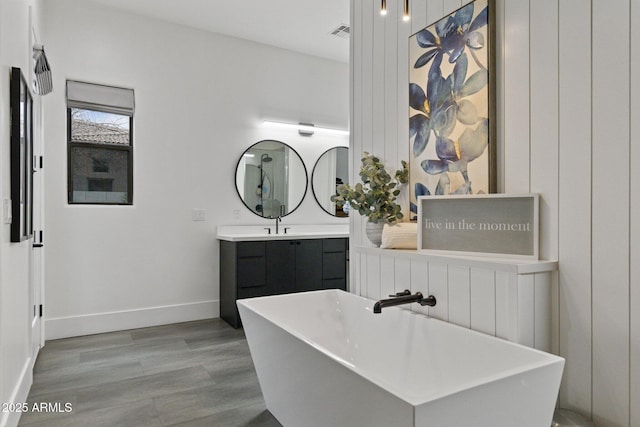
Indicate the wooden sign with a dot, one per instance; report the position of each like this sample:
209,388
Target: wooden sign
482,224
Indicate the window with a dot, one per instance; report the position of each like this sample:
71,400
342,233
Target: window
100,144
100,165
100,184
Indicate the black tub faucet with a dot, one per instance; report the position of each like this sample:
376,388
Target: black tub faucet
404,297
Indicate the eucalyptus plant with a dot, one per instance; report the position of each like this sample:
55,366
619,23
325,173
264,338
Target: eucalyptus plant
375,196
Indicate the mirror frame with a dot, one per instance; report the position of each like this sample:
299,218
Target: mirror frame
304,167
313,190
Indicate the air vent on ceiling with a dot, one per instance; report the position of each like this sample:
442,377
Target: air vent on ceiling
341,31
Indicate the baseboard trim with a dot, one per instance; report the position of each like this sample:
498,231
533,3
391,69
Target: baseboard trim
19,395
73,326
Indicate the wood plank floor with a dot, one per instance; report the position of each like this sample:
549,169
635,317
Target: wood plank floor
186,374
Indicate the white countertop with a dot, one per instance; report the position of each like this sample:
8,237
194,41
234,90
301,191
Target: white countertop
242,233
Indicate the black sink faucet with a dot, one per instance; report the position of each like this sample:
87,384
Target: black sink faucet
278,219
404,298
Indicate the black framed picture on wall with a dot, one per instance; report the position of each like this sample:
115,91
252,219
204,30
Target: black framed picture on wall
21,103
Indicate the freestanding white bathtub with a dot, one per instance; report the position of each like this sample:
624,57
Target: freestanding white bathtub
325,359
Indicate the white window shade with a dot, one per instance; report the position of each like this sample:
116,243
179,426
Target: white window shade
42,72
101,98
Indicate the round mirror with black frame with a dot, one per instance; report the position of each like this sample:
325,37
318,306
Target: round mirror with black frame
271,179
331,170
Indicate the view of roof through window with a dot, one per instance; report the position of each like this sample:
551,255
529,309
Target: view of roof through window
99,128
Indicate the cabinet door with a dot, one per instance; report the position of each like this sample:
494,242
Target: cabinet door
334,245
251,272
334,261
334,265
308,265
281,266
251,268
228,278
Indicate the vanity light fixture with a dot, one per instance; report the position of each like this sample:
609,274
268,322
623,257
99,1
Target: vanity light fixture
405,17
305,129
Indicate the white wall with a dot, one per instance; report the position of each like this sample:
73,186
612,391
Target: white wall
200,101
16,360
567,128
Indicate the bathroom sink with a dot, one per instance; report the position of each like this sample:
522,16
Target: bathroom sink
296,231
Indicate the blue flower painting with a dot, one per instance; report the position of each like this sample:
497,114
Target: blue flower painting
449,105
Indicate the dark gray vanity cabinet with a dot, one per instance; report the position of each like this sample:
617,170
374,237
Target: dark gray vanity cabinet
294,265
259,268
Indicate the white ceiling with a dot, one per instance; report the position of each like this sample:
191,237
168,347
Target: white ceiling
299,25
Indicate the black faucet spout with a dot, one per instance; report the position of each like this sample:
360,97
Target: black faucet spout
404,299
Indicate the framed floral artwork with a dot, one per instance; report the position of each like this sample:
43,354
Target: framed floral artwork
452,122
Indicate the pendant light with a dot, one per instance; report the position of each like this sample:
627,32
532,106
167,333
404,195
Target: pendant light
383,9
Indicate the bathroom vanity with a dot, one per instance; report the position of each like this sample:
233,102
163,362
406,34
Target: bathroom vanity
254,263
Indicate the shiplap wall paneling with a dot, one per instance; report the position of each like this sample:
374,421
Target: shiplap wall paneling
418,12
435,11
545,119
513,314
545,144
451,5
355,272
379,81
610,246
459,295
390,76
356,121
438,287
574,211
401,58
526,312
363,275
373,277
483,300
420,283
367,288
387,276
403,273
366,79
544,288
499,52
366,142
634,280
417,21
502,303
516,69
592,210
504,323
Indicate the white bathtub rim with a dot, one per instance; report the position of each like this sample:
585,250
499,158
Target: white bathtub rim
411,398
